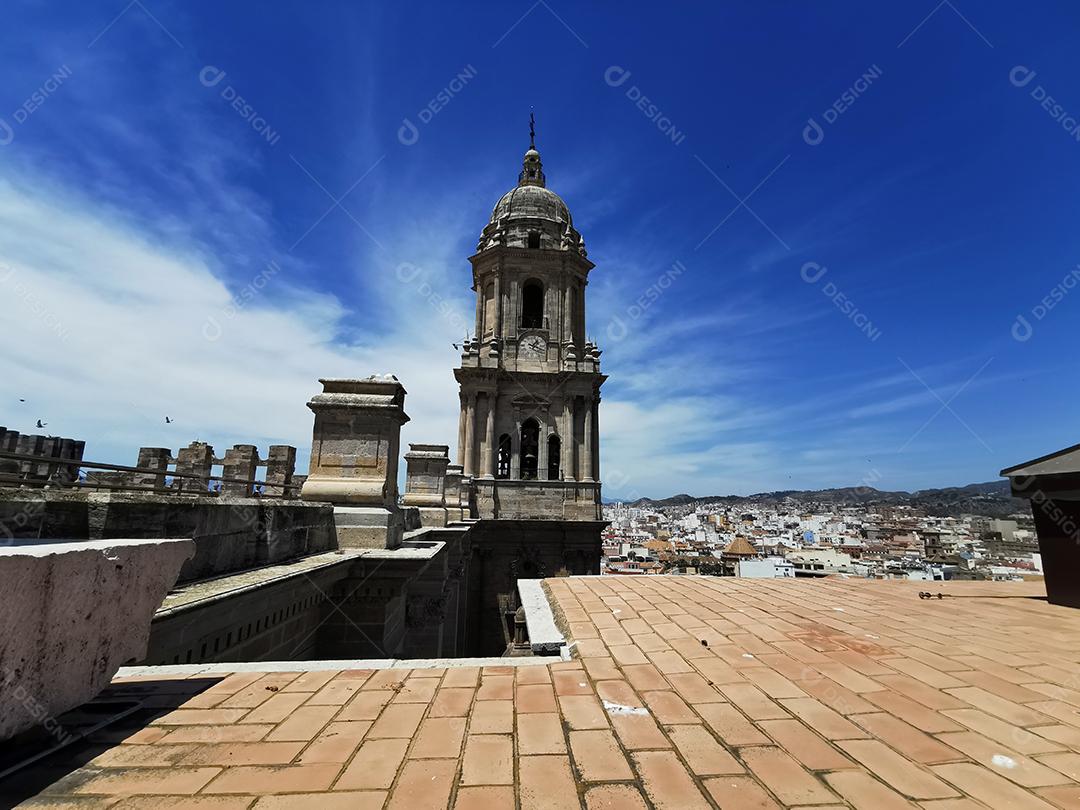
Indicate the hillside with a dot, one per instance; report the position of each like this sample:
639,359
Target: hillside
990,498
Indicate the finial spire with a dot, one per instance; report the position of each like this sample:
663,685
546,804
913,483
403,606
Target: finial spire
532,172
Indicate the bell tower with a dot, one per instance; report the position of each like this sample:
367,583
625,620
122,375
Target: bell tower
529,380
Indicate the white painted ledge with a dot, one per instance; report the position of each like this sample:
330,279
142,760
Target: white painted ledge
544,637
192,670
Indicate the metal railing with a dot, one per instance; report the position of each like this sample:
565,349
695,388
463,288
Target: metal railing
173,482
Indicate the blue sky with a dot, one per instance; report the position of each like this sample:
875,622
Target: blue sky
780,306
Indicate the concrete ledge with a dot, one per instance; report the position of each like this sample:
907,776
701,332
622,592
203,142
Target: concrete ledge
544,636
71,614
197,595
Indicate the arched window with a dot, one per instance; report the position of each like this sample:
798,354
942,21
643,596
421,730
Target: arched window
532,305
502,459
553,457
530,449
534,240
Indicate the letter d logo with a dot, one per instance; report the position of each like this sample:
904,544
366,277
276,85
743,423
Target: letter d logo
1021,329
407,133
616,330
812,272
616,76
1021,76
7,134
211,76
812,133
211,329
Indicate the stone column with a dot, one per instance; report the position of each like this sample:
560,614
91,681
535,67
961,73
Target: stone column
280,468
515,447
195,459
479,288
241,461
587,442
461,428
596,439
489,437
469,462
158,459
498,305
542,450
513,308
425,481
354,458
567,440
568,332
452,492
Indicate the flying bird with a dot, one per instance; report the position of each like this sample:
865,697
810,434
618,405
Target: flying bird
168,421
22,400
41,424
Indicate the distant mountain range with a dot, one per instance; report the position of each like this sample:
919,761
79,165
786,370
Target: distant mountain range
991,498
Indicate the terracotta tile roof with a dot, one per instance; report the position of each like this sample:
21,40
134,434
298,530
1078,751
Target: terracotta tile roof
741,547
688,692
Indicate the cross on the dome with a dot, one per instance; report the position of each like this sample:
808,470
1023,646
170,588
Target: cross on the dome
532,130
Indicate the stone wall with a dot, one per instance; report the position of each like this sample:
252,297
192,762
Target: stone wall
277,621
410,602
509,499
230,534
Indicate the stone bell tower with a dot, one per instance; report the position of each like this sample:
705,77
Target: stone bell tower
530,382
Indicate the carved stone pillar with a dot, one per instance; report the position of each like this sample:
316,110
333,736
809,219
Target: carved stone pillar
542,450
452,492
425,481
469,462
498,305
587,442
489,437
461,429
568,439
568,333
354,458
596,439
515,447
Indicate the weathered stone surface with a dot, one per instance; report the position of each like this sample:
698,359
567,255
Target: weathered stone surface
230,534
368,526
354,458
354,450
425,481
72,614
452,493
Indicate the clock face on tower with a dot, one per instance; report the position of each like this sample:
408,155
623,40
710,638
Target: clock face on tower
533,346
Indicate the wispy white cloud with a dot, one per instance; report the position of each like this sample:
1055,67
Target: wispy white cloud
107,334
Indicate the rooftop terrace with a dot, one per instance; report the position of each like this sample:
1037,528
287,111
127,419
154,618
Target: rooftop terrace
685,692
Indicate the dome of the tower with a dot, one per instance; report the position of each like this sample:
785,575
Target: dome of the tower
531,215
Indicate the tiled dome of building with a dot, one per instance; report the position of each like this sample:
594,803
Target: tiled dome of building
531,215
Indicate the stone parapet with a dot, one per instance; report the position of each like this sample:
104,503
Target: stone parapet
354,458
425,482
501,499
